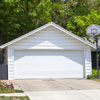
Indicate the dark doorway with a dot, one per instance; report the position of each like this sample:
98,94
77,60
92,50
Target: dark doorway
3,72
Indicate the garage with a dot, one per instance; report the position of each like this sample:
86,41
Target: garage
48,64
49,51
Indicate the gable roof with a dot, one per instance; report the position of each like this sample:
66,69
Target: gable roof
44,26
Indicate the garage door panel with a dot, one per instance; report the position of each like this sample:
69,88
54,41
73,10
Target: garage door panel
49,74
48,64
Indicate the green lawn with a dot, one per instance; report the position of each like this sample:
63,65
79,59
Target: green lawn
11,91
14,98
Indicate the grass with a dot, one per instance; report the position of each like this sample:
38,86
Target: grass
19,91
12,91
14,98
98,80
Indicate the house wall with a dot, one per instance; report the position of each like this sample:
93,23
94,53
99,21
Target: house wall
88,62
10,63
49,38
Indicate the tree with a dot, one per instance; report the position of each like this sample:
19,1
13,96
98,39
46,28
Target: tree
1,20
18,17
22,16
79,24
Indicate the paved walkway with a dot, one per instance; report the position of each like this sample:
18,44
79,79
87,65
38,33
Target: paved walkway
60,95
13,94
65,95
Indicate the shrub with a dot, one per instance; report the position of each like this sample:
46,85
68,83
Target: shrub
94,74
89,77
6,87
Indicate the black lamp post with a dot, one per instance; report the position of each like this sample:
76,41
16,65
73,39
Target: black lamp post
97,61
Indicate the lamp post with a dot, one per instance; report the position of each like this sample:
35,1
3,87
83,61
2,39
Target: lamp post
94,31
96,39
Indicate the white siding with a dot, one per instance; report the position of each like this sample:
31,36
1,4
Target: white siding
88,63
49,38
10,63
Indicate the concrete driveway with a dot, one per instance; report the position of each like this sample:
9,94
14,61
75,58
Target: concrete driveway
56,84
60,89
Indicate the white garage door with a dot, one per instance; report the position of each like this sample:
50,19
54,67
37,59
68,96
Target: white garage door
48,64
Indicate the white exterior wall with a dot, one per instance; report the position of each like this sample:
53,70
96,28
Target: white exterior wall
10,63
49,38
88,62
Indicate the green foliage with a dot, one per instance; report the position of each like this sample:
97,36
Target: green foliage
89,77
18,17
10,91
44,10
94,74
19,91
78,24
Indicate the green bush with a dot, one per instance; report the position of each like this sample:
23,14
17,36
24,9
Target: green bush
94,74
89,77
